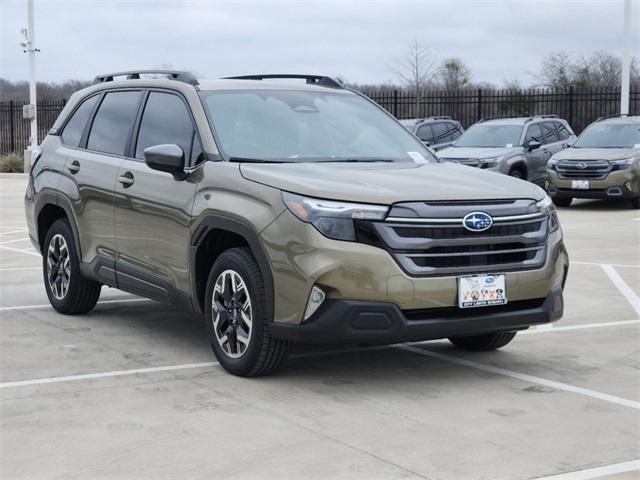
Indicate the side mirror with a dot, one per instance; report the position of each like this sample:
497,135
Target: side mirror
166,158
532,145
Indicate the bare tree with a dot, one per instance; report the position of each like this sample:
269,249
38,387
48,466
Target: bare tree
453,74
415,70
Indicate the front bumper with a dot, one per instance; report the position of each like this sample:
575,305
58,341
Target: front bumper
618,184
367,322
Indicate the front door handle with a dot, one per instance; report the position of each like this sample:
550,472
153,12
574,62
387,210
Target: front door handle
126,179
74,167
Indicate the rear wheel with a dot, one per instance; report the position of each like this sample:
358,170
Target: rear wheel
237,316
561,202
68,291
488,341
517,173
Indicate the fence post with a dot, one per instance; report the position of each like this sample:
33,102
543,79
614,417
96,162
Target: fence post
479,105
571,106
12,129
395,103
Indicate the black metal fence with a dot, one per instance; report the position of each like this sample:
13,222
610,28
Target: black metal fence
579,106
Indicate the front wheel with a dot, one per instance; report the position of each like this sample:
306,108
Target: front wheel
238,312
517,173
68,291
488,341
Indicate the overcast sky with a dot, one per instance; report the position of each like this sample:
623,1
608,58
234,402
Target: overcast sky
357,40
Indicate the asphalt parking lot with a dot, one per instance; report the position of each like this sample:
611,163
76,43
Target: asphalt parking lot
131,390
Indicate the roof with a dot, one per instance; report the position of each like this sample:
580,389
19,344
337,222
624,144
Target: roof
517,121
622,119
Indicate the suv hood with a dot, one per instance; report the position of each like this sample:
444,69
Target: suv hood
388,183
475,152
596,153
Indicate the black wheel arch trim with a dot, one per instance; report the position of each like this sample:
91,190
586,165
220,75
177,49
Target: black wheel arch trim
246,231
49,198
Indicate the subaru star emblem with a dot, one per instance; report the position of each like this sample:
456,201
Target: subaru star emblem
477,221
581,165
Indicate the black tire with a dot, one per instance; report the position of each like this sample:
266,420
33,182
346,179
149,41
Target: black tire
635,203
81,294
263,354
488,341
561,201
517,173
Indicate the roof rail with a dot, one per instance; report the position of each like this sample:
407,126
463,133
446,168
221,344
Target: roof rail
499,117
180,76
615,115
319,80
436,117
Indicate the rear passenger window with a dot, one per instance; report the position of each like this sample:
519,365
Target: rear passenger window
112,123
440,132
533,133
425,134
72,132
165,120
549,132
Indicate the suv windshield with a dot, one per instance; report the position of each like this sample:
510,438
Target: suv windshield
612,135
490,136
305,126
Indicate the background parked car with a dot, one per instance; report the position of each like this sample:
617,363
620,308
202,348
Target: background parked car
519,147
603,163
435,132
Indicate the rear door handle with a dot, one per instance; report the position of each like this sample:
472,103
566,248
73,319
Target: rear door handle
126,179
74,167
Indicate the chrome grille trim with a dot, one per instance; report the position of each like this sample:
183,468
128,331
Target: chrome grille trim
594,169
440,245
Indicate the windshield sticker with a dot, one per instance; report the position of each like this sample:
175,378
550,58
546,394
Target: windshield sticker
509,145
637,145
417,156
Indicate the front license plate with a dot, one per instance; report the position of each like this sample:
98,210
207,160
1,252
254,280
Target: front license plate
481,291
580,184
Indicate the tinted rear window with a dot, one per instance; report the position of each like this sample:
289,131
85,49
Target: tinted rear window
112,123
72,132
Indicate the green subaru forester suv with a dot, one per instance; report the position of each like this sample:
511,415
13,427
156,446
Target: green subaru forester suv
285,208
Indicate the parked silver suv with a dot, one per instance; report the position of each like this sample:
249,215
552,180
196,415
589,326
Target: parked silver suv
519,147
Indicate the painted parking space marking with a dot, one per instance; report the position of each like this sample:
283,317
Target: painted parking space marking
17,250
16,269
597,472
628,293
523,377
48,305
624,265
581,326
13,232
15,240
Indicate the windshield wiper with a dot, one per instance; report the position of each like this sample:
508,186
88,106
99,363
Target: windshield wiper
257,160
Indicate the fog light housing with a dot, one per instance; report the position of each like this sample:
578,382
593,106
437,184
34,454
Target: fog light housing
316,298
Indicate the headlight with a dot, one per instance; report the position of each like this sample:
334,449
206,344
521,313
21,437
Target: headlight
624,163
490,162
551,164
547,207
332,219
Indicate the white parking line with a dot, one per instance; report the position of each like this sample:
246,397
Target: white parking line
631,296
624,265
598,472
47,305
524,377
580,327
116,373
15,240
12,269
14,231
27,252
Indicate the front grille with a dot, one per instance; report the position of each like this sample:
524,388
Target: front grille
583,169
430,239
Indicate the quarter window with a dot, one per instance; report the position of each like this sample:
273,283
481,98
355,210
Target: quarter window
72,133
165,120
440,132
113,122
563,133
549,132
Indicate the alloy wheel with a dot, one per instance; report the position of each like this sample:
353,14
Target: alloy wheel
58,266
232,313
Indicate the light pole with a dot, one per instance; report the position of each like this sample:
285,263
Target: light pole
626,60
29,46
